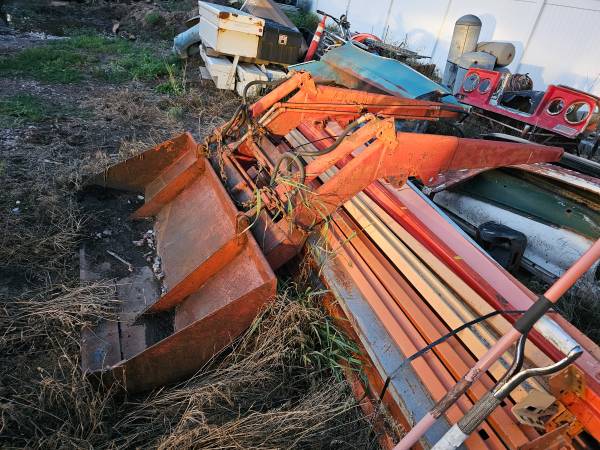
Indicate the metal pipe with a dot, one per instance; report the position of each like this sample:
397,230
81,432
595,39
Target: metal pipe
552,295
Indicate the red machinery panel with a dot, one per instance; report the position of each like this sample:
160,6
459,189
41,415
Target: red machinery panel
559,109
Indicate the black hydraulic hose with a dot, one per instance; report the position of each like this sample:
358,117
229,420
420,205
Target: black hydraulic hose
242,110
271,84
447,336
337,142
288,156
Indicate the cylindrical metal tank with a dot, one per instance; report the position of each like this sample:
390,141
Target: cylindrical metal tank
472,59
464,40
503,51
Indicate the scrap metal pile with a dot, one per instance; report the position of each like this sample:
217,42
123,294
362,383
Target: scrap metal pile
322,171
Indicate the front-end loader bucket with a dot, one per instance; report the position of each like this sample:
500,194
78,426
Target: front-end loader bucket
216,278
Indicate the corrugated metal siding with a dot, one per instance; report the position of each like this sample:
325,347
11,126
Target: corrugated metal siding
557,41
565,47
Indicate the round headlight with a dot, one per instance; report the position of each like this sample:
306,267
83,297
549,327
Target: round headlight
577,112
470,82
555,106
484,86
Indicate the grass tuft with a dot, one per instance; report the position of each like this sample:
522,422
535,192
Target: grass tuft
27,108
174,85
72,60
304,19
153,18
23,108
51,64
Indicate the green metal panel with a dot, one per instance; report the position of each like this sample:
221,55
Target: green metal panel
538,199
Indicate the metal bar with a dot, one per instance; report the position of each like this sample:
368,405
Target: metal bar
455,362
410,155
552,294
416,311
461,262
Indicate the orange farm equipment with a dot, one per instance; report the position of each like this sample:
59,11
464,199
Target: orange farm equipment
230,211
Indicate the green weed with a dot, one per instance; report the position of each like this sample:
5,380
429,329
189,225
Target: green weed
48,64
176,112
326,348
304,19
140,65
71,60
153,18
174,85
22,108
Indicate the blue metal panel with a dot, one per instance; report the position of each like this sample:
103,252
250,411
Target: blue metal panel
408,391
355,68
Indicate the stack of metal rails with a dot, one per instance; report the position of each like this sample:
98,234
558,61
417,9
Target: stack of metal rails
403,276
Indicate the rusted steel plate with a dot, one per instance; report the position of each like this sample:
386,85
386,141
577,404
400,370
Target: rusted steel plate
216,276
196,236
170,183
136,173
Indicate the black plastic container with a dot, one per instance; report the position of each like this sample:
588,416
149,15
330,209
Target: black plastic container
279,44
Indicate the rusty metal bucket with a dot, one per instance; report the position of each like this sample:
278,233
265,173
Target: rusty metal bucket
216,278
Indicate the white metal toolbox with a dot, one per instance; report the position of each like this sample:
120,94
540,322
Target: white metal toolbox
229,31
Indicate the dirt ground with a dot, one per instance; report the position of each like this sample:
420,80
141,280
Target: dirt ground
68,109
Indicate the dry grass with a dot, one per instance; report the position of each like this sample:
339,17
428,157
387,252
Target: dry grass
40,239
52,405
45,401
581,306
28,323
271,391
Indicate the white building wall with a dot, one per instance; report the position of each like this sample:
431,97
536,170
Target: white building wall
557,41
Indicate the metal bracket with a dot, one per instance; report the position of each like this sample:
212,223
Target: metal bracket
569,380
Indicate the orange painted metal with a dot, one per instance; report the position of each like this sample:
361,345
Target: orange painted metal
584,405
430,369
409,155
296,81
218,274
375,382
495,285
216,278
215,262
170,183
455,357
138,172
345,105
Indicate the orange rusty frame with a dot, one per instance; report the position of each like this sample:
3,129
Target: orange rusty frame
388,154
